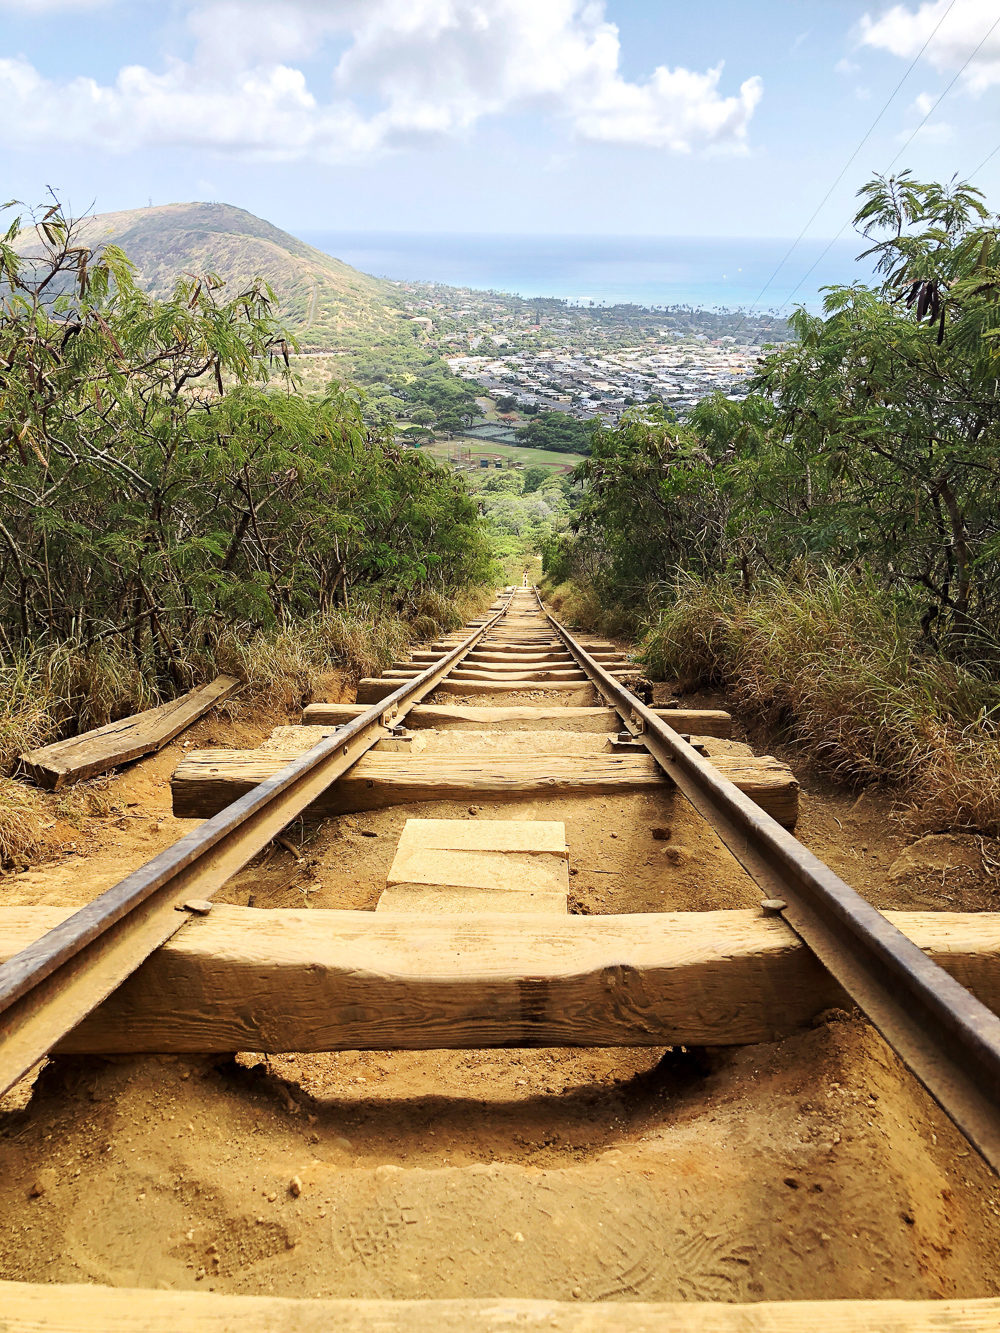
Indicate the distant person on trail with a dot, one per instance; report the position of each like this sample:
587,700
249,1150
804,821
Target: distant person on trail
524,579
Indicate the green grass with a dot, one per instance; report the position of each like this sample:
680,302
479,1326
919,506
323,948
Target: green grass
487,448
61,689
836,664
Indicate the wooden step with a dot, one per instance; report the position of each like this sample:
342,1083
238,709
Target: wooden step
695,721
532,658
373,691
207,781
321,980
477,866
491,672
28,1307
503,674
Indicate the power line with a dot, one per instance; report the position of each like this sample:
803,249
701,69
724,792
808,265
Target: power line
951,85
843,170
906,145
984,161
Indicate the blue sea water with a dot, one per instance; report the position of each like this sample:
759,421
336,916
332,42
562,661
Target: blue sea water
707,273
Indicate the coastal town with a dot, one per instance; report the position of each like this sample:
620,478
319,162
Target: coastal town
588,383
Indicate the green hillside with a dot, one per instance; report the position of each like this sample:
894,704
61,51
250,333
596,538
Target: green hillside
327,304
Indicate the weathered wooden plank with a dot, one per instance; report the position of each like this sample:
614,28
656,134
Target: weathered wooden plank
697,721
324,980
29,1308
55,766
545,837
489,865
471,868
499,673
505,675
208,780
371,691
448,899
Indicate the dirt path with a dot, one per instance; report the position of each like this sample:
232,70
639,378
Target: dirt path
804,1169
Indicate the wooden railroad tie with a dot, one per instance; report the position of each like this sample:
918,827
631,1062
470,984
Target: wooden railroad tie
77,1308
206,781
441,717
320,980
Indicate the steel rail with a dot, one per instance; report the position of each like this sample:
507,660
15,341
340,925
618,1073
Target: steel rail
47,988
942,1033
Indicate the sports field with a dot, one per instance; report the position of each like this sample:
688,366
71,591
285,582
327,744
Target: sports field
445,449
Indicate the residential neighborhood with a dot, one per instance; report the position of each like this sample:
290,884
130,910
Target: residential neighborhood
596,383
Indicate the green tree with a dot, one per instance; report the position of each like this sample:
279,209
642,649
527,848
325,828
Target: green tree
158,487
557,431
535,476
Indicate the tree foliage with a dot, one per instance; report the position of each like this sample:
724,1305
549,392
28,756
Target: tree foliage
557,431
157,482
873,439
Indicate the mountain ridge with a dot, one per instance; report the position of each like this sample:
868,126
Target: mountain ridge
325,303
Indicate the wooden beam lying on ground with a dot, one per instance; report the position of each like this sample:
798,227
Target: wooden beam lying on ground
299,980
695,721
58,765
29,1307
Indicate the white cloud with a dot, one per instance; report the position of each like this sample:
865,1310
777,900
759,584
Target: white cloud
408,72
846,67
903,32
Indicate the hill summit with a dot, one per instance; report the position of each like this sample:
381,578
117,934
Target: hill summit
323,301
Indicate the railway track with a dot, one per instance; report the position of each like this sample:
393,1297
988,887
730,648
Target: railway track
106,980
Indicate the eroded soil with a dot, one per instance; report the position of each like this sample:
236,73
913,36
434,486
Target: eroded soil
808,1168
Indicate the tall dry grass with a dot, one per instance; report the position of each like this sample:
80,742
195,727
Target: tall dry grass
63,689
580,607
836,664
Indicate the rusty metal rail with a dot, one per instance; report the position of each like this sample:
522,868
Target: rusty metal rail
47,988
949,1040
943,1034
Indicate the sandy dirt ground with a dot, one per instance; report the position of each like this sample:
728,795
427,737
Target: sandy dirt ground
804,1169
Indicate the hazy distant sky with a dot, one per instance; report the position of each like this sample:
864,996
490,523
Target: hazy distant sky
720,118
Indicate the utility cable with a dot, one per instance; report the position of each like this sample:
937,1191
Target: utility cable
864,140
984,161
968,62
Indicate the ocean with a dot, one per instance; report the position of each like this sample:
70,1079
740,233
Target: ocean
707,273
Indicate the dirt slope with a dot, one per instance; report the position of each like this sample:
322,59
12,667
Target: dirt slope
809,1168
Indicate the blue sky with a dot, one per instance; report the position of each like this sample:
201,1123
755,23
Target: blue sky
641,117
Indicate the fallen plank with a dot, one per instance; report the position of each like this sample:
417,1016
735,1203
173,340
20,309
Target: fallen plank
696,721
208,780
541,837
300,980
55,766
